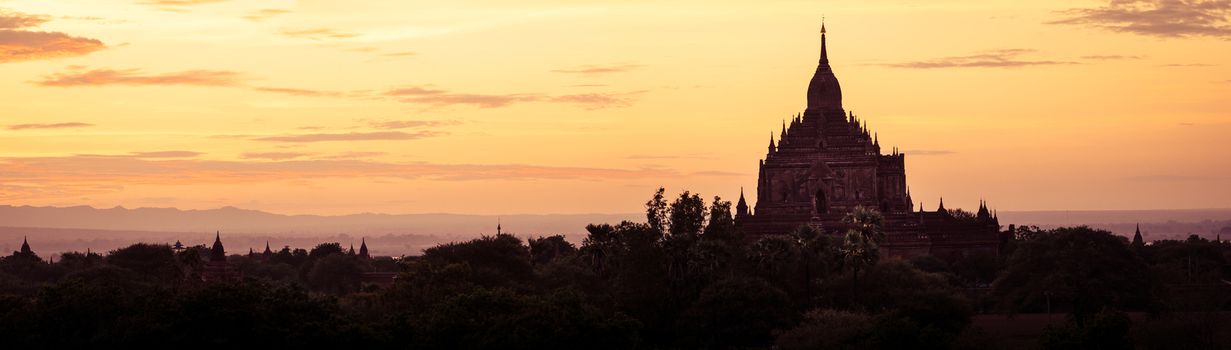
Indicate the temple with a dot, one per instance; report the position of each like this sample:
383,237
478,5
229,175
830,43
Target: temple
826,162
217,269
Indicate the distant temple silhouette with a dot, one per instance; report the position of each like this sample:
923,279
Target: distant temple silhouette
826,162
216,268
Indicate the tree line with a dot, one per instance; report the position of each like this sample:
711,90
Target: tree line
686,277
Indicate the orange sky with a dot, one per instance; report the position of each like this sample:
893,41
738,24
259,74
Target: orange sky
490,107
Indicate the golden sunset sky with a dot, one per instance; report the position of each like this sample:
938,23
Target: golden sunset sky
495,107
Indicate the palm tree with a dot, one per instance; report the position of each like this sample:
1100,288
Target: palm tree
859,247
866,221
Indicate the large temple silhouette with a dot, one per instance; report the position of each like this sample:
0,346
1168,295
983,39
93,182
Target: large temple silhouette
826,162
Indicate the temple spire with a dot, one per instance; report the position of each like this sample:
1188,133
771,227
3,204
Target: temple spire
741,207
498,227
217,252
1137,240
824,53
25,246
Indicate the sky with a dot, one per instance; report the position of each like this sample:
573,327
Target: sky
501,107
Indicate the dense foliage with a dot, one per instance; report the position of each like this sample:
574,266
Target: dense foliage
686,278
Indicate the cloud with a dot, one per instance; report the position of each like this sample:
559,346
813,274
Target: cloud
50,126
264,14
297,92
1173,178
89,169
352,155
318,34
400,54
97,77
716,173
177,5
17,20
273,155
1111,57
437,97
598,69
406,124
1005,58
684,156
352,136
1175,65
166,154
598,100
17,43
927,152
1160,18
147,155
443,98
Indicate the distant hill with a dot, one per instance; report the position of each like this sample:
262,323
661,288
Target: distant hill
79,227
1155,224
236,220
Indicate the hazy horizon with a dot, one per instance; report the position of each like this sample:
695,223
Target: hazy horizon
54,230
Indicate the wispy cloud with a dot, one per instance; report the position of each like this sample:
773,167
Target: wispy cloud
1111,57
928,152
406,124
177,5
50,126
297,92
665,156
443,98
1005,58
437,97
166,154
352,136
1173,178
147,155
400,54
81,169
1179,65
264,14
598,69
96,77
351,155
318,34
16,20
1161,18
18,43
598,100
273,155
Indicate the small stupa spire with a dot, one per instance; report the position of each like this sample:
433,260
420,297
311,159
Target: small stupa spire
1137,239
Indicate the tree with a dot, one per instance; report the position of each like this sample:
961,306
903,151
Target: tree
154,262
656,211
498,260
336,274
325,249
687,215
722,224
737,313
545,249
1079,269
867,221
829,329
859,248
